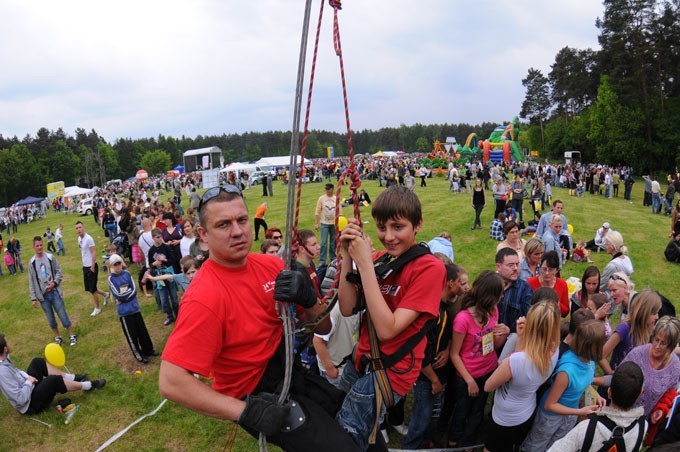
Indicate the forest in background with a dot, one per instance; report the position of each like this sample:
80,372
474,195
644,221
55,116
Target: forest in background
619,104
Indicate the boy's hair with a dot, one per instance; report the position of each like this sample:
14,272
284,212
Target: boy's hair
187,262
268,243
156,231
578,317
626,384
3,342
304,235
544,293
397,201
564,329
599,299
37,238
589,340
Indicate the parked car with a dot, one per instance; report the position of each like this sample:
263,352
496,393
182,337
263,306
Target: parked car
86,206
257,176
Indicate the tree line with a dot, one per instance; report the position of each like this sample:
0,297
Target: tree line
86,158
619,104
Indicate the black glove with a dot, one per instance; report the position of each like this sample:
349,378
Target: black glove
263,414
295,287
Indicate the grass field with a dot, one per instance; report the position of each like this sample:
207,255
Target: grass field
103,353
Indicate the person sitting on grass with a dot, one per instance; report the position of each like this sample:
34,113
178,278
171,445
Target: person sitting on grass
622,415
32,391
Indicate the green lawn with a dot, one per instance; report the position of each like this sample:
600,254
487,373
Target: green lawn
103,353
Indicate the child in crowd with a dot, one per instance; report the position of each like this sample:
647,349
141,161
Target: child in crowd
473,354
270,246
161,261
189,267
590,284
393,317
49,238
9,263
559,408
599,305
581,253
518,378
496,229
630,422
124,292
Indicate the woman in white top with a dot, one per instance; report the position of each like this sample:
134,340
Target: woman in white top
517,378
187,239
512,239
620,261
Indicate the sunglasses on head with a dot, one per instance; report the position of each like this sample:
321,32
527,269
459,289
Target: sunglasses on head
215,191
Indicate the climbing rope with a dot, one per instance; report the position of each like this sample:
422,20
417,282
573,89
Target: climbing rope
291,245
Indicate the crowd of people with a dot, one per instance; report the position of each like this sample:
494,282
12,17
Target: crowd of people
399,321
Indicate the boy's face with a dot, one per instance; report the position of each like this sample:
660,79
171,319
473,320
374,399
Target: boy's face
312,247
397,236
117,268
157,239
190,273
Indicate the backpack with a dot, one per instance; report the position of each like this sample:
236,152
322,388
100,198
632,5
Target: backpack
616,443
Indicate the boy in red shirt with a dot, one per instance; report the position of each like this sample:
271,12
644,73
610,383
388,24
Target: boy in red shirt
398,304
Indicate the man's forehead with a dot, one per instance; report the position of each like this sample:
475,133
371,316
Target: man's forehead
234,208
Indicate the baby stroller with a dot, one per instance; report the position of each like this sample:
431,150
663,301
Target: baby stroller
118,246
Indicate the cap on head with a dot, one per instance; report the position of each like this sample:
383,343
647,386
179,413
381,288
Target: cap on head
115,259
605,225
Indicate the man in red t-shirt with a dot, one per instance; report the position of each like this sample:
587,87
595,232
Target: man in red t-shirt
228,328
399,305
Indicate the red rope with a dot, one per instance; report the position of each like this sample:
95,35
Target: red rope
351,173
295,242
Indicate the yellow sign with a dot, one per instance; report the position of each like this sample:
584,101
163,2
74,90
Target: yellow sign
55,190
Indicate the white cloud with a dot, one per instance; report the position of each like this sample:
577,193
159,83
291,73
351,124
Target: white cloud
136,69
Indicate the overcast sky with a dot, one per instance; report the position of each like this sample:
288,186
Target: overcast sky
140,68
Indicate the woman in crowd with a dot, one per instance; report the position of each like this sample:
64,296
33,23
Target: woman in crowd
548,278
512,239
172,236
633,331
551,239
660,366
187,239
530,265
500,196
620,262
478,202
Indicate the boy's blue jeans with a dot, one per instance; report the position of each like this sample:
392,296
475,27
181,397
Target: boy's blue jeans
357,414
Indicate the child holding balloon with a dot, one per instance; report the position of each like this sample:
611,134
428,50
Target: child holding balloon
32,391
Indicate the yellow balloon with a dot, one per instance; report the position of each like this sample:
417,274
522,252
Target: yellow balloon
571,229
55,354
342,222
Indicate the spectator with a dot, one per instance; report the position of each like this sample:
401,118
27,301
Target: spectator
530,265
599,243
619,262
496,229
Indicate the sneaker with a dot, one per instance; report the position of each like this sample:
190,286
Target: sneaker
72,340
95,311
58,340
401,429
98,384
168,321
144,360
80,377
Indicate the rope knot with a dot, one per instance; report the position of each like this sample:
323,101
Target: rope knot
336,4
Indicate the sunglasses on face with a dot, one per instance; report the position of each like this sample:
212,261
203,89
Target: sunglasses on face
215,191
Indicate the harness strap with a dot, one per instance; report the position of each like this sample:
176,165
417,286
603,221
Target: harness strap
616,442
381,382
